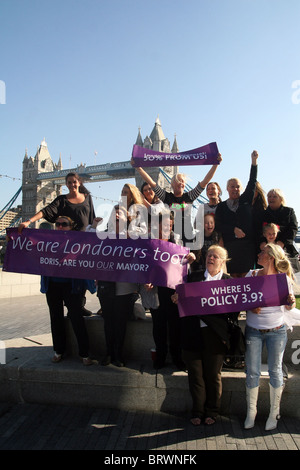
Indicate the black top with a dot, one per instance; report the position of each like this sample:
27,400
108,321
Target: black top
227,220
82,214
181,206
285,218
241,251
190,326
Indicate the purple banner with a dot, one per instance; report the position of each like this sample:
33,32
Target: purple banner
83,255
206,155
231,295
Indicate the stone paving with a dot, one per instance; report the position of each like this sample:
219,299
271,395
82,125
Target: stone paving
33,426
42,427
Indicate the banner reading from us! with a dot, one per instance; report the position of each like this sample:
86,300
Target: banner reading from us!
231,295
205,155
83,255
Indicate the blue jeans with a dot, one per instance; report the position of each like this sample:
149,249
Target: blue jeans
275,342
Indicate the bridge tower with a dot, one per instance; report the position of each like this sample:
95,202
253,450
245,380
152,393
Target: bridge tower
37,194
158,142
42,179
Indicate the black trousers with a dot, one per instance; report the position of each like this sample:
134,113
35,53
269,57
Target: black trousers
58,294
204,374
166,327
115,312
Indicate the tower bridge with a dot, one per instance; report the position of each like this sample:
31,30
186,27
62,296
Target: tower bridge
42,179
91,174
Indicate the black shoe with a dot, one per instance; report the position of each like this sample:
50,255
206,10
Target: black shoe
106,361
85,312
118,363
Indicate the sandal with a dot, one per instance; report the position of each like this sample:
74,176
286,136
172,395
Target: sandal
195,421
56,358
209,421
87,361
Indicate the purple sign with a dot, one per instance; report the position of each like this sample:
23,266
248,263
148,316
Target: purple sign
83,255
206,155
231,295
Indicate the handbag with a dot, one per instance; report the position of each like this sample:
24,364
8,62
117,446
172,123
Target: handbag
149,297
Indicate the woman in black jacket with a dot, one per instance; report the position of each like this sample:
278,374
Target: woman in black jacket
285,218
205,341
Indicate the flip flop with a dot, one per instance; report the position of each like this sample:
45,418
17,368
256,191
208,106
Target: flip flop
209,421
195,421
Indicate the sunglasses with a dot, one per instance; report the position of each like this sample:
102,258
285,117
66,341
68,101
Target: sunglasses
62,224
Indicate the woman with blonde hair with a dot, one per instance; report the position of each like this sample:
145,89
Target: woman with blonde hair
267,325
205,342
132,194
285,218
132,201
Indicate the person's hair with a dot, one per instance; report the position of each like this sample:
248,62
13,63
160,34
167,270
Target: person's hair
222,252
71,222
235,180
212,214
111,224
135,194
164,214
281,261
218,186
279,194
82,188
118,207
155,198
259,198
270,226
177,177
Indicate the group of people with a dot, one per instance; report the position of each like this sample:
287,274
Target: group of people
245,235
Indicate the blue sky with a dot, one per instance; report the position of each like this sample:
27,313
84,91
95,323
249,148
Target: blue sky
86,74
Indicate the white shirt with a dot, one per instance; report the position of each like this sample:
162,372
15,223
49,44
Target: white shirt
269,317
208,277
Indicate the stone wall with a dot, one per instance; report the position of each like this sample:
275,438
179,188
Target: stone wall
18,285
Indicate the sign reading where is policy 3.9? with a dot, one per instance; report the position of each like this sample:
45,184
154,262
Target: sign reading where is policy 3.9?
232,295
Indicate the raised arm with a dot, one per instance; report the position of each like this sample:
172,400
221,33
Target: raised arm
147,178
210,174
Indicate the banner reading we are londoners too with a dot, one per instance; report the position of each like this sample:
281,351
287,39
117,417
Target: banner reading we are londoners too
83,255
231,295
205,155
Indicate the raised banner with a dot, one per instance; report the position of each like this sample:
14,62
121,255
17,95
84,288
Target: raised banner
206,155
231,295
83,255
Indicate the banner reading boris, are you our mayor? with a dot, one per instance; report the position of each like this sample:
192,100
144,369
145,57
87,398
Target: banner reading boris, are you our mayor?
83,255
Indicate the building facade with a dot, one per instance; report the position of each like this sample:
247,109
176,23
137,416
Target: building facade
36,194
